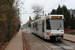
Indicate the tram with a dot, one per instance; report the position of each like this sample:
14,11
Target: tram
49,27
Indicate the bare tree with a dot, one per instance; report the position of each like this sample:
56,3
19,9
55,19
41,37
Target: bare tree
37,9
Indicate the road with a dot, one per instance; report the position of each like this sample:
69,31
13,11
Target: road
33,42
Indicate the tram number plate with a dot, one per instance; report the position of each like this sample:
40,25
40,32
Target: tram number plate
59,37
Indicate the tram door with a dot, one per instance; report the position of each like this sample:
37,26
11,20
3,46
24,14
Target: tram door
36,28
43,28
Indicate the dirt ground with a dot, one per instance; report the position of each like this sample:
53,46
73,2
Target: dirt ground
29,43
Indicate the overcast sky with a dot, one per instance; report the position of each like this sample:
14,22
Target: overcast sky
47,4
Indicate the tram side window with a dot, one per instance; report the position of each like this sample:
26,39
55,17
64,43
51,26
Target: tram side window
43,25
48,24
33,25
36,26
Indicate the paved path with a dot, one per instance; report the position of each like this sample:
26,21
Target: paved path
16,42
69,37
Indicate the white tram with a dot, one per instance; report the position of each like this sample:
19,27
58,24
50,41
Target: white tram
49,27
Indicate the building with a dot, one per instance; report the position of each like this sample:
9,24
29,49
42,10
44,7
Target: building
72,12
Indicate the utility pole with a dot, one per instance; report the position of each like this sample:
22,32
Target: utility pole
43,13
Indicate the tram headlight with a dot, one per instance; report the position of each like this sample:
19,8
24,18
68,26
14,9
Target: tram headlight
48,33
62,34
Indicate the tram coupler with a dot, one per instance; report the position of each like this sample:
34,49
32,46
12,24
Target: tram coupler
58,38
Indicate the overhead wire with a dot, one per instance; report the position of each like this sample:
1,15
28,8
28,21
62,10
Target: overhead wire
53,5
26,13
63,1
22,5
44,2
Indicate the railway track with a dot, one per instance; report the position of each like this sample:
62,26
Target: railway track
41,42
47,44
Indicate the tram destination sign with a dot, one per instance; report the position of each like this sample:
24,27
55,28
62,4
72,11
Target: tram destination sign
56,17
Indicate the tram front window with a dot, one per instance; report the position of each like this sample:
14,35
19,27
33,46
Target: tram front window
56,24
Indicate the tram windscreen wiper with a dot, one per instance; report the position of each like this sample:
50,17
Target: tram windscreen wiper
59,26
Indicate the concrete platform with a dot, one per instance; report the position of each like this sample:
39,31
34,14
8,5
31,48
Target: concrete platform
69,37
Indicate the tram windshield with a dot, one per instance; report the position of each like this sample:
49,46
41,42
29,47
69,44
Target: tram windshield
54,24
